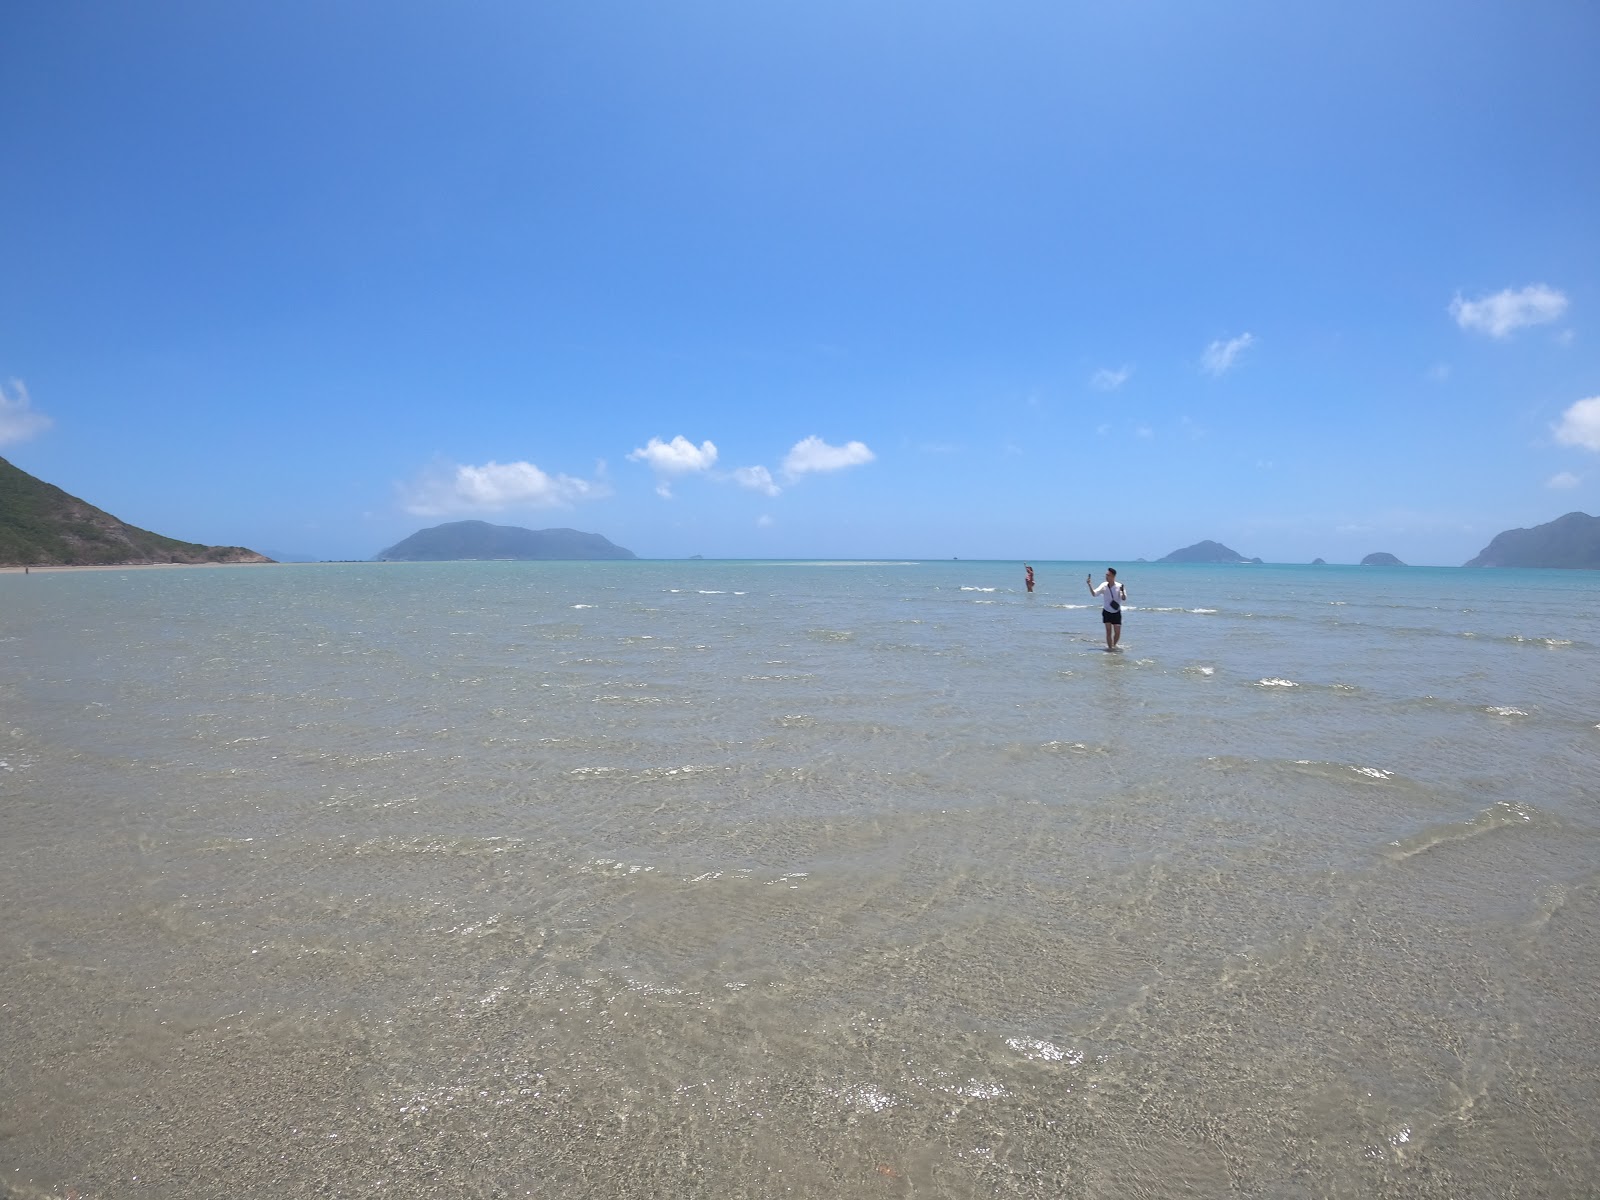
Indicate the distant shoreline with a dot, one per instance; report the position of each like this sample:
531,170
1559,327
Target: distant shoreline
44,568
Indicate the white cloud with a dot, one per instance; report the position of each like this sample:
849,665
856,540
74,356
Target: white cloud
811,455
494,486
18,420
1143,430
1563,479
764,521
1580,425
680,456
1220,356
1107,380
757,479
1504,312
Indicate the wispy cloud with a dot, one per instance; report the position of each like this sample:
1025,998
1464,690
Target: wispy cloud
1220,356
1503,313
450,489
812,455
680,456
764,521
1107,380
18,419
1562,479
757,479
1439,372
1580,425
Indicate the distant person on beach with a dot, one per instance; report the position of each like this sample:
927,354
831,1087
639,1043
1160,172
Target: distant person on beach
1112,597
1027,576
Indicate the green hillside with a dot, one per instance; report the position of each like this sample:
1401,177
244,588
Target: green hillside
41,525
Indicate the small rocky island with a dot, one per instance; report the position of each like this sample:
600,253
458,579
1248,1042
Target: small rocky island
43,526
1206,552
1572,541
458,540
1381,558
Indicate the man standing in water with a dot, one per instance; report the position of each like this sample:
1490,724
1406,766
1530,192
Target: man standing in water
1027,576
1112,597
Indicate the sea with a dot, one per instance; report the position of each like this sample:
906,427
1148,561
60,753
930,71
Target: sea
810,879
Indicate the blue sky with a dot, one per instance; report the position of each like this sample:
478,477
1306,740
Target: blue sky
1042,280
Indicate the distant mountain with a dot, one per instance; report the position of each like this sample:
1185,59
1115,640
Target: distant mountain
1206,552
1381,559
1569,541
1319,562
481,540
40,525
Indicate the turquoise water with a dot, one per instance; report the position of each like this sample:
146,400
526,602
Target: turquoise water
690,878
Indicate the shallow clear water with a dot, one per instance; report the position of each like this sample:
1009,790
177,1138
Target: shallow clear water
706,878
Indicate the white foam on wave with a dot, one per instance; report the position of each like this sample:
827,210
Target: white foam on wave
1284,683
1505,710
583,606
976,589
866,1098
1039,1050
711,592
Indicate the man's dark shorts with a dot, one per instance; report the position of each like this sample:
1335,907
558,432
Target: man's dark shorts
1111,618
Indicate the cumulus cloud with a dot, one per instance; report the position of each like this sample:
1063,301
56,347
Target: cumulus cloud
18,420
1580,425
757,479
1220,355
812,455
1107,380
1505,312
680,456
453,489
1563,479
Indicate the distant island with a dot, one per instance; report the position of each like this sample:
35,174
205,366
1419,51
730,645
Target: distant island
43,526
1319,562
457,540
1206,552
1572,541
1381,559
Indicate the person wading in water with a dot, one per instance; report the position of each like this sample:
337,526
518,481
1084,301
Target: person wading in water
1112,597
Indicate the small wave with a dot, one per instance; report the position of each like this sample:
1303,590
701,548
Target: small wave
613,866
832,635
1498,816
976,589
1540,641
1505,710
707,592
583,606
1279,683
1073,606
1198,670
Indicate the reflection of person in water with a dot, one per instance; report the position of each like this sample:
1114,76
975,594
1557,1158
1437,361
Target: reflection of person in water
1027,576
1112,597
